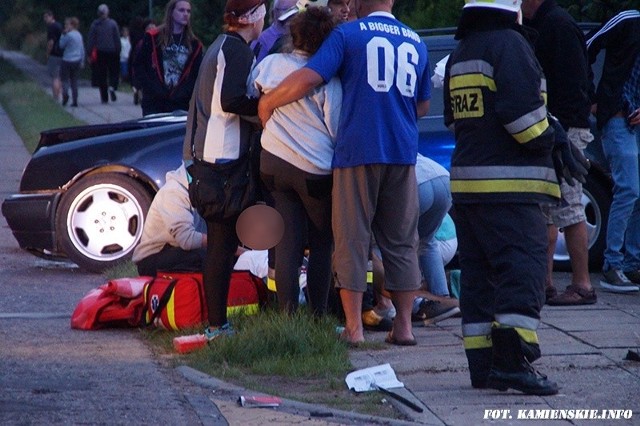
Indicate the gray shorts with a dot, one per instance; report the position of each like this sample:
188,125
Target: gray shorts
381,200
53,66
571,211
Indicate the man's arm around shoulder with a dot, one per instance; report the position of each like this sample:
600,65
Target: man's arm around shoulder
295,86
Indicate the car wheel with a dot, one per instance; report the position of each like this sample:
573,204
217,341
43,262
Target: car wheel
596,200
99,220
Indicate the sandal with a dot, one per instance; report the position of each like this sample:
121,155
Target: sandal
393,341
574,296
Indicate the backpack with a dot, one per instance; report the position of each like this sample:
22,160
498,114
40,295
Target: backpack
176,300
118,303
247,293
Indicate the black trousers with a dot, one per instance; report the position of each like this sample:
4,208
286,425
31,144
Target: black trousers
172,259
107,69
222,243
69,76
503,259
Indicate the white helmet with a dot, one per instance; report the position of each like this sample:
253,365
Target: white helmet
508,5
300,6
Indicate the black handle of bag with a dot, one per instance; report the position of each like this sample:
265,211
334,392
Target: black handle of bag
162,303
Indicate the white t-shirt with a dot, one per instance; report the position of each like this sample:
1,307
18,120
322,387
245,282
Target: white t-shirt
125,49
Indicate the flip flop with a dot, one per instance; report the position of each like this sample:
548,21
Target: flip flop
342,338
393,341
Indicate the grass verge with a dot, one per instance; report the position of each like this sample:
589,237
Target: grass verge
30,109
292,356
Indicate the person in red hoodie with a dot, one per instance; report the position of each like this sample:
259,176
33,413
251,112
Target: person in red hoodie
167,64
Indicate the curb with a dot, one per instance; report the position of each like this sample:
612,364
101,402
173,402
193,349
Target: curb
228,391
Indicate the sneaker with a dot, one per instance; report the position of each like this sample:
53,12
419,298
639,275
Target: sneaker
389,313
615,281
215,332
432,311
574,296
634,276
374,322
65,100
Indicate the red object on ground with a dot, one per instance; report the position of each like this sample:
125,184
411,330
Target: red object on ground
186,344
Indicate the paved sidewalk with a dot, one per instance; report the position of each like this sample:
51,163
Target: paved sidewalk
583,350
90,109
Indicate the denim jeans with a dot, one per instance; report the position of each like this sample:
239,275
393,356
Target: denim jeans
620,146
435,201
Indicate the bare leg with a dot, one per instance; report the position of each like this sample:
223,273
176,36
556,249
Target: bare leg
56,88
352,306
403,301
577,246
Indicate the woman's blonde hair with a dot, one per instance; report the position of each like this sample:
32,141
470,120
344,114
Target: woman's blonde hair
73,22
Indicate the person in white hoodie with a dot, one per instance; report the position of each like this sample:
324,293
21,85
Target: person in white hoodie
174,237
295,164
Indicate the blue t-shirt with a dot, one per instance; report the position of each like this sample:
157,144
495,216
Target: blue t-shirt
383,66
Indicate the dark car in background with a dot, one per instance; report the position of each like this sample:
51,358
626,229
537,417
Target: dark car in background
85,193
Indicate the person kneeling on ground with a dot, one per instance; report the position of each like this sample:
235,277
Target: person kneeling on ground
174,237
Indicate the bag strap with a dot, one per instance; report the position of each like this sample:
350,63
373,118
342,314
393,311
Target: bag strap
162,303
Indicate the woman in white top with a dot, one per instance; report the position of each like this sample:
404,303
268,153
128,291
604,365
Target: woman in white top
295,164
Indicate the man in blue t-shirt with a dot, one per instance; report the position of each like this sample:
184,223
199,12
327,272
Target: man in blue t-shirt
383,67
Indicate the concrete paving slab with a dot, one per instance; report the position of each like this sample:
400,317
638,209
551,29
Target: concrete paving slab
590,319
623,337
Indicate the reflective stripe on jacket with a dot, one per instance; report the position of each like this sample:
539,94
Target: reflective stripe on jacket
497,105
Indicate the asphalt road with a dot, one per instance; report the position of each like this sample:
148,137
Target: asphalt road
50,374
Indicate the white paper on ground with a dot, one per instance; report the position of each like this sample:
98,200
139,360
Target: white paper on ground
379,375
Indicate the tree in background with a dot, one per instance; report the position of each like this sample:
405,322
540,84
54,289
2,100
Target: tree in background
21,24
426,14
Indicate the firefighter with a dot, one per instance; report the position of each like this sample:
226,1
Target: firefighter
502,169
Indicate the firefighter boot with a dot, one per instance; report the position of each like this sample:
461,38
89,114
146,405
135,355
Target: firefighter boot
479,366
511,369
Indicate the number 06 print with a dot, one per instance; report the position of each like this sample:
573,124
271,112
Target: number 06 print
381,75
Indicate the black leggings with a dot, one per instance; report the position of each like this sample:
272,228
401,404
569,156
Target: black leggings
304,201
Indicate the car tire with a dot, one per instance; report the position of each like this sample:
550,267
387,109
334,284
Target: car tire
596,199
100,218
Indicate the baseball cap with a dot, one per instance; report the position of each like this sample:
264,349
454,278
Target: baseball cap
508,5
300,6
